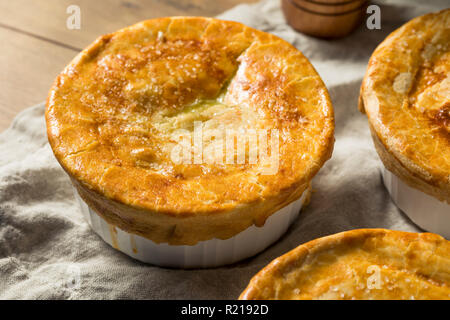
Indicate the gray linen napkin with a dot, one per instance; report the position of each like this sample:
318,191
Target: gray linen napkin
48,251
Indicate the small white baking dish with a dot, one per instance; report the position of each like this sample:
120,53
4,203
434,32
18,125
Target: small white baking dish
205,254
426,211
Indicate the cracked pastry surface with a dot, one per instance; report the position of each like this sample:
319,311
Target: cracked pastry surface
359,264
406,96
114,113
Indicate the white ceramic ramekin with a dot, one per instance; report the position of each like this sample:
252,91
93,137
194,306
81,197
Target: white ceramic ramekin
205,254
426,211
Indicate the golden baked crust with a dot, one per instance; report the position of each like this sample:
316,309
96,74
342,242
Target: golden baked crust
112,113
359,264
406,96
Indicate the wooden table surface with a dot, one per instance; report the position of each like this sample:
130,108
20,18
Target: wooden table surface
36,44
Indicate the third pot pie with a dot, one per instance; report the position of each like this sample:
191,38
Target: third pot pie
113,115
359,264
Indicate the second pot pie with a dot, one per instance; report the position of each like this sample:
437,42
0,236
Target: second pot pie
406,96
113,112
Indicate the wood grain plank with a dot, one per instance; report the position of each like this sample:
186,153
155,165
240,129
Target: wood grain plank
48,18
29,67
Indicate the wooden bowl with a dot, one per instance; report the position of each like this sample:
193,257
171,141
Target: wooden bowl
324,18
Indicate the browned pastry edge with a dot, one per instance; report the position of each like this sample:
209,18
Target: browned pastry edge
183,230
395,166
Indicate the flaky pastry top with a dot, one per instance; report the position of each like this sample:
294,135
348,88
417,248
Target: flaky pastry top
113,113
359,264
406,95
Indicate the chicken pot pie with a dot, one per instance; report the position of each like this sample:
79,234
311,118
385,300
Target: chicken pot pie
406,96
114,114
359,264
